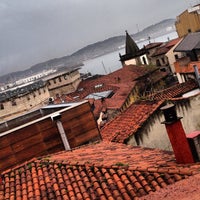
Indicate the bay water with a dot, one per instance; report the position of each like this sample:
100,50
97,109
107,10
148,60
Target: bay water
110,62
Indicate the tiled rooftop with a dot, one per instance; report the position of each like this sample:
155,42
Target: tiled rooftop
186,67
153,45
121,82
127,123
184,190
163,49
97,171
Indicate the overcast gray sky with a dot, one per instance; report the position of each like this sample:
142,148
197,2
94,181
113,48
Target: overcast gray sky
33,31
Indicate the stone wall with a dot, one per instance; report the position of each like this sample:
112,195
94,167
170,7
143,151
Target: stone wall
64,83
21,104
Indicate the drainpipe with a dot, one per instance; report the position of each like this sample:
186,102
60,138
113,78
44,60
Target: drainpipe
56,117
196,71
177,135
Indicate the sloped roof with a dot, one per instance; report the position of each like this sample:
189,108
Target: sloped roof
131,47
153,45
121,82
100,171
173,42
189,43
127,123
163,49
185,189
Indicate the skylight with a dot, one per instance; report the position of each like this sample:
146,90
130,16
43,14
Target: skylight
99,95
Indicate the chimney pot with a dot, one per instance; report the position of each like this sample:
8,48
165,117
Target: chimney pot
177,135
170,114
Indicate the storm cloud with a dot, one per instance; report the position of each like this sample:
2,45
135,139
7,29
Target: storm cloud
37,30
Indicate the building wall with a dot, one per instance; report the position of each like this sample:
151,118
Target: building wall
187,22
24,103
172,57
153,134
160,60
130,62
64,83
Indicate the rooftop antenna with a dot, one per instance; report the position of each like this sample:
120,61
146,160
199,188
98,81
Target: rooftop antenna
149,38
137,26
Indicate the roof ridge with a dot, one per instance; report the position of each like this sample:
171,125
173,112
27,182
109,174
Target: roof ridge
179,169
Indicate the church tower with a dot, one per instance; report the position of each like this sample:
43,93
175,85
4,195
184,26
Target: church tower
131,52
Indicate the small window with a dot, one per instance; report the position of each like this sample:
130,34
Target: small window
54,81
59,79
1,106
13,102
176,56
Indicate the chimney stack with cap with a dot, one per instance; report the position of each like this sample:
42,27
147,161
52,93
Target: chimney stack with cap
177,135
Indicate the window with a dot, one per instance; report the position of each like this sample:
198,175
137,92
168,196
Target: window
1,106
176,56
158,62
163,60
13,102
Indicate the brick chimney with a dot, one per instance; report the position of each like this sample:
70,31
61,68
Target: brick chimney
177,135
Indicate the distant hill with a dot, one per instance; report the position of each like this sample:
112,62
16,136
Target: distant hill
93,50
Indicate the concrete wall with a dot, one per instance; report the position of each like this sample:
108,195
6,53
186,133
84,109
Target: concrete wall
153,134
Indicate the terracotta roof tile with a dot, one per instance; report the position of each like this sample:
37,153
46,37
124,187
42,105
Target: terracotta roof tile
97,171
153,45
128,122
165,47
121,82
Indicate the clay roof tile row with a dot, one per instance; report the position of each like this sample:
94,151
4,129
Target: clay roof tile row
128,122
98,171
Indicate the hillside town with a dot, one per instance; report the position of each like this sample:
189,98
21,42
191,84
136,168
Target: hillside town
133,133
